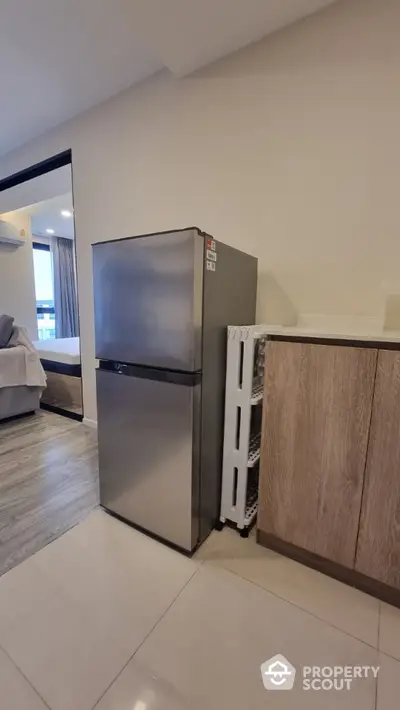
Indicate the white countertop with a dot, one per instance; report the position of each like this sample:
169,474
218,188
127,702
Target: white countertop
299,331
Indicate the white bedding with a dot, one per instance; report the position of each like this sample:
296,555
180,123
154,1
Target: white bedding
65,350
19,363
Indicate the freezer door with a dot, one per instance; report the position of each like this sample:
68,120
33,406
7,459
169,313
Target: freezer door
148,295
149,453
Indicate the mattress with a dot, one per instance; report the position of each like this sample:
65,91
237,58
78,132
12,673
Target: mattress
62,350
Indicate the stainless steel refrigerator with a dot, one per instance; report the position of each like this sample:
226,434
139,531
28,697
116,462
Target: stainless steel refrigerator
162,304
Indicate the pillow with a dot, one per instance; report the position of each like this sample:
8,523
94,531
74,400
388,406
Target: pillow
6,329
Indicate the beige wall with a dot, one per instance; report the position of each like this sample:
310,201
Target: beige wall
17,283
289,149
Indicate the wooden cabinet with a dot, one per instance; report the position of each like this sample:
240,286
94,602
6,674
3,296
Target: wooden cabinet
317,412
378,551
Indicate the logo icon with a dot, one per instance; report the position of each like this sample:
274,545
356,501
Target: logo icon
278,673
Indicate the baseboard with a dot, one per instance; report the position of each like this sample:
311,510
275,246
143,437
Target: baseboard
90,423
62,412
332,569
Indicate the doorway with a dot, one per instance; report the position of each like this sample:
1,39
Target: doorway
48,471
41,208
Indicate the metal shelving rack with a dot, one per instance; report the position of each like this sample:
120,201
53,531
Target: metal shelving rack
242,436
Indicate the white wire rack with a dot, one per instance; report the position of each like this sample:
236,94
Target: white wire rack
244,392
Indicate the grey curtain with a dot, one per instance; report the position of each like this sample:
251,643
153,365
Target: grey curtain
65,295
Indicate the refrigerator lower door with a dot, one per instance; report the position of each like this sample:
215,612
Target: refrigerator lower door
149,451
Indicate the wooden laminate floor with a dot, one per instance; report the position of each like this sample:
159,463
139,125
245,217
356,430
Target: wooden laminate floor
48,482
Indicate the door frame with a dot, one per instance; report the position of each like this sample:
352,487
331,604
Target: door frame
33,171
47,165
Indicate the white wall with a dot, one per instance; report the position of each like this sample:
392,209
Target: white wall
17,282
289,149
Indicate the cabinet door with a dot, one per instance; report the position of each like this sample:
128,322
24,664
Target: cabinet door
378,550
317,410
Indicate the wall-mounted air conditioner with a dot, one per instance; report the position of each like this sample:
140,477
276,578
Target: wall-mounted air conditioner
10,235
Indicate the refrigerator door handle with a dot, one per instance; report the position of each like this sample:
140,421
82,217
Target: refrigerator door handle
174,377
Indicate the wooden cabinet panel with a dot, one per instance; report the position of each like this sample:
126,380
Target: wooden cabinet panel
378,550
317,411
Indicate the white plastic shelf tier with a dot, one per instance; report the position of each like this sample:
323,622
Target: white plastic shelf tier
244,390
257,394
254,450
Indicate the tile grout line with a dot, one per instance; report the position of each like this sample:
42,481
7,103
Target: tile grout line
379,624
379,631
25,677
145,639
306,611
199,565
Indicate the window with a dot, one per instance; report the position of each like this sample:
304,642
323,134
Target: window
43,270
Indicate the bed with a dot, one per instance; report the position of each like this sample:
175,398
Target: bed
60,355
22,379
61,360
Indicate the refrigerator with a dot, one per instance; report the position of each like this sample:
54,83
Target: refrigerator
162,305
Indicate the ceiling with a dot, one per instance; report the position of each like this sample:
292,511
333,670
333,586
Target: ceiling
47,215
41,188
60,57
194,33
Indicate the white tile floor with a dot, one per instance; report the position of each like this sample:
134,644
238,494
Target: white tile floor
106,618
